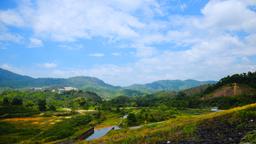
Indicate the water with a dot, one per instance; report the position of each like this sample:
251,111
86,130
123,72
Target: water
101,132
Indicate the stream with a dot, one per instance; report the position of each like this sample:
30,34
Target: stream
101,132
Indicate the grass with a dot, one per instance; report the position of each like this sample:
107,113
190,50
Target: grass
51,128
182,127
250,137
14,132
110,120
40,128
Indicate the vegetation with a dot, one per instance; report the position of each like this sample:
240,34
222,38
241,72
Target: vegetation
65,128
12,80
41,116
244,78
228,126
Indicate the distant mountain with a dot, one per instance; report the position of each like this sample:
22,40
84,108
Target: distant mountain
12,80
169,85
9,79
87,82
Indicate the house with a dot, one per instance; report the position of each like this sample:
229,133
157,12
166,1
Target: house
215,109
66,89
70,89
37,89
60,90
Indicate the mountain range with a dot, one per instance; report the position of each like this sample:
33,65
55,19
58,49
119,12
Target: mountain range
10,79
169,85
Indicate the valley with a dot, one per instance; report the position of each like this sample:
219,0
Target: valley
194,115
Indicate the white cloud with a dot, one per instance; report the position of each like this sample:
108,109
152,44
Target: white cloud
206,46
97,54
49,65
12,68
9,37
230,15
71,46
10,17
213,49
6,66
34,42
116,54
68,20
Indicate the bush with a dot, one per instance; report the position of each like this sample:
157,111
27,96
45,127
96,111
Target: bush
42,104
131,119
16,111
17,101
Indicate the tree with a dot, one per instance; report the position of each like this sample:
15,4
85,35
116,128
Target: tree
121,101
51,107
6,101
29,104
41,104
131,119
17,101
181,95
81,101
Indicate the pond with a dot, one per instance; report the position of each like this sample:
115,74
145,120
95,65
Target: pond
101,132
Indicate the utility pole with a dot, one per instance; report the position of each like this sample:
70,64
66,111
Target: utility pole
235,88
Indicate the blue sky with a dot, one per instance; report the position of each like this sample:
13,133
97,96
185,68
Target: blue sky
128,41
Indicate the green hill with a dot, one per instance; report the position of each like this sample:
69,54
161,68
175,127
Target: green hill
169,85
12,80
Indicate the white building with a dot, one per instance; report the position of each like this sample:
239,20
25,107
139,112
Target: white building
70,89
215,109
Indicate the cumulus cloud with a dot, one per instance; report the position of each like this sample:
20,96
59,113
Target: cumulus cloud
9,37
67,20
97,54
214,47
116,54
230,15
11,17
219,41
34,42
49,65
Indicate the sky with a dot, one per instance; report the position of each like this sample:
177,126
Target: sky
128,41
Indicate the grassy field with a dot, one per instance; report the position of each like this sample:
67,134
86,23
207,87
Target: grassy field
180,128
39,127
66,125
36,127
110,119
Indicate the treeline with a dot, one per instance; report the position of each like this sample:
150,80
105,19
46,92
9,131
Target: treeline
149,115
178,100
24,103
